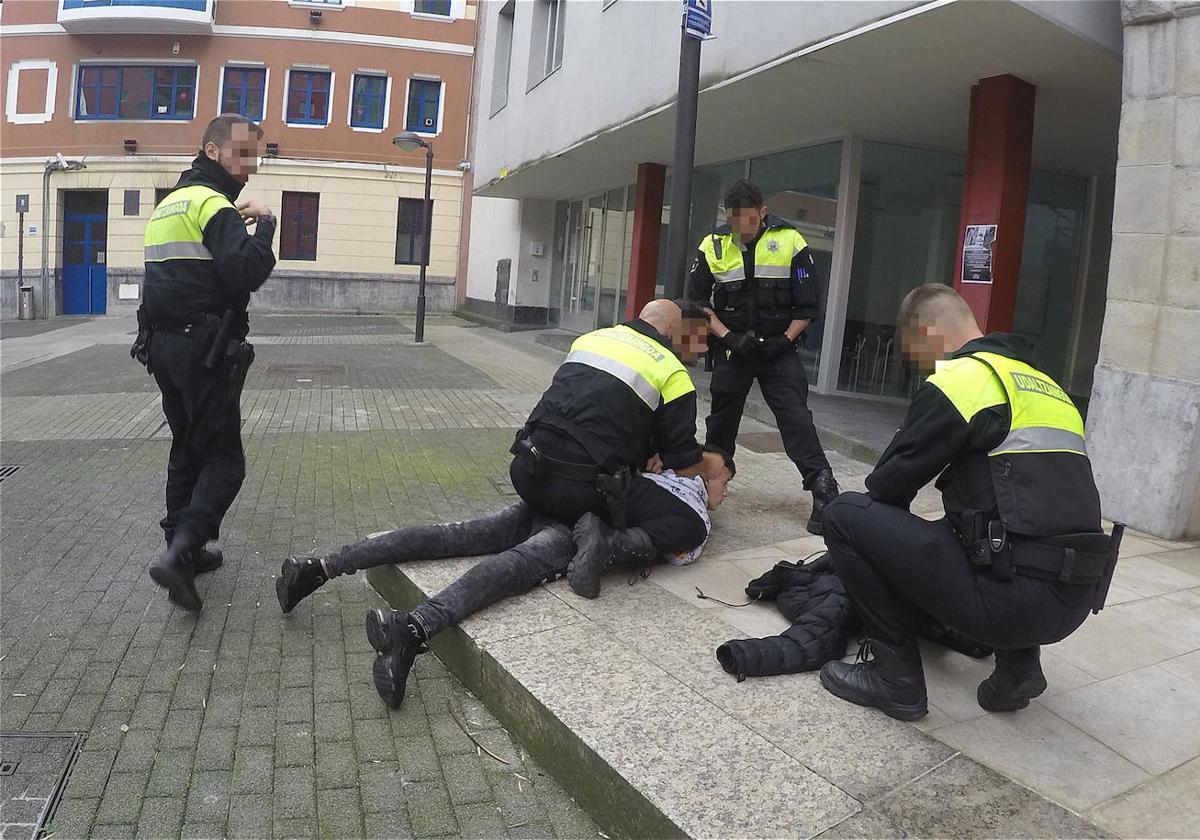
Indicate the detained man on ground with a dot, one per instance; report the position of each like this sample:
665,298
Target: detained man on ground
621,394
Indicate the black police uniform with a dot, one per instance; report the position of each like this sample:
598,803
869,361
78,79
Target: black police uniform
758,310
595,421
891,560
185,301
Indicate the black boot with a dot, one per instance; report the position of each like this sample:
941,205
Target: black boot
893,681
204,560
824,490
298,578
397,640
598,546
1018,678
173,571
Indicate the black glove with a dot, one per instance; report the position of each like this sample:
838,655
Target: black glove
776,346
745,344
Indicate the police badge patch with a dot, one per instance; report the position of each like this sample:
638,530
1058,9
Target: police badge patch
773,246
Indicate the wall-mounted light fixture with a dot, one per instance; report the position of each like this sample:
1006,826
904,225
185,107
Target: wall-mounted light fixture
272,150
314,17
130,146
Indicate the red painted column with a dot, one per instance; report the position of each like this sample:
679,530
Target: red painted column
647,230
996,191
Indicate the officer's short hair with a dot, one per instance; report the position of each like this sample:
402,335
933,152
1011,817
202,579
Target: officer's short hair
742,195
930,302
220,130
689,309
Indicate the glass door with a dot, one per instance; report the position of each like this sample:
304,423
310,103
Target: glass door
575,316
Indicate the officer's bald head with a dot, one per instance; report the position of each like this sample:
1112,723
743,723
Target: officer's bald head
934,321
685,325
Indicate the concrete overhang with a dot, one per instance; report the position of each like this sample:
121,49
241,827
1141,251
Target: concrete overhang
908,81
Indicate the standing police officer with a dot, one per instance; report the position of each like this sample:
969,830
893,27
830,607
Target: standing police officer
759,275
201,266
1019,558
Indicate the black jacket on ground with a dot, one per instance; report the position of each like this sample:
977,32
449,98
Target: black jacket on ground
610,424
177,290
813,598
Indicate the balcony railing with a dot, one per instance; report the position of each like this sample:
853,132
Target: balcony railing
173,17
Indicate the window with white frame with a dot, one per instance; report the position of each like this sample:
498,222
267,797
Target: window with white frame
368,100
424,106
503,59
441,8
308,97
546,44
244,91
135,92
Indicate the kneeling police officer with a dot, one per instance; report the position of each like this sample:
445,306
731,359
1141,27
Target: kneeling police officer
1020,557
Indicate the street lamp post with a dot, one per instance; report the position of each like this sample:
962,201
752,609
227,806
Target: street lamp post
409,141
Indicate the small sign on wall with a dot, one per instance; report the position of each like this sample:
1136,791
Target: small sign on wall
128,291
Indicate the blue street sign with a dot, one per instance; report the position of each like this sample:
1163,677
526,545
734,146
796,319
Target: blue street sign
697,22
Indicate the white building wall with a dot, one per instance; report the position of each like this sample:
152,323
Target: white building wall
495,232
622,61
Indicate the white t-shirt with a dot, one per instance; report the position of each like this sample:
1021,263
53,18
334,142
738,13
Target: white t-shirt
695,494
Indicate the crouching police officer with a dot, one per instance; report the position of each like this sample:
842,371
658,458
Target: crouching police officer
201,266
759,274
1020,557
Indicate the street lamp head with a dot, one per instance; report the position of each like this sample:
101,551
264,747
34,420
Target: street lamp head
409,141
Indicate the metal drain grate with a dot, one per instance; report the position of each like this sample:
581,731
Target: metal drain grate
306,370
8,471
34,768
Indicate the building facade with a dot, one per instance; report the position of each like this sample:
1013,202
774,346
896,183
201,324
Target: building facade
941,141
126,87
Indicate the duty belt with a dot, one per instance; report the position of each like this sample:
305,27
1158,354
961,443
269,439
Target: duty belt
543,464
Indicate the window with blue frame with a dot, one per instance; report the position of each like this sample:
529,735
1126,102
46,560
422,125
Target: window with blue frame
432,7
244,92
308,97
368,99
135,92
186,5
424,97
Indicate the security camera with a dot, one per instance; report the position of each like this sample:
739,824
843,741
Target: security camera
464,166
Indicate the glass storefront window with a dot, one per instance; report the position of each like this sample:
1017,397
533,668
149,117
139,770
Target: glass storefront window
802,187
1050,266
612,258
907,234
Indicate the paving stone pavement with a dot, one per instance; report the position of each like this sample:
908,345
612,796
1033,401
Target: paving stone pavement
241,722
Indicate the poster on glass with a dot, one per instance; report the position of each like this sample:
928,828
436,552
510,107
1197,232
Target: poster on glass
977,253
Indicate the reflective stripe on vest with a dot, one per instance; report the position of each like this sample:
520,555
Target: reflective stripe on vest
1043,417
649,369
773,255
176,228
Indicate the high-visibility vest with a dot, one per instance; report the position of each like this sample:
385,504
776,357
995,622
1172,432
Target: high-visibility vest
768,293
650,370
176,228
1040,471
181,276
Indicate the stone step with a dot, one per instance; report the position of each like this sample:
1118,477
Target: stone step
623,700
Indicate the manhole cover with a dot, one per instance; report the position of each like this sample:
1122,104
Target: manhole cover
34,768
761,441
305,370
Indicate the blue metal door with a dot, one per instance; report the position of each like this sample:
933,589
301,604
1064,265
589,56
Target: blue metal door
85,264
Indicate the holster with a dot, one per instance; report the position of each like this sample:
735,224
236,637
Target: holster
141,345
614,487
239,355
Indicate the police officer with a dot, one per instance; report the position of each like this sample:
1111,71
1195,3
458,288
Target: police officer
201,266
1020,557
620,396
758,273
